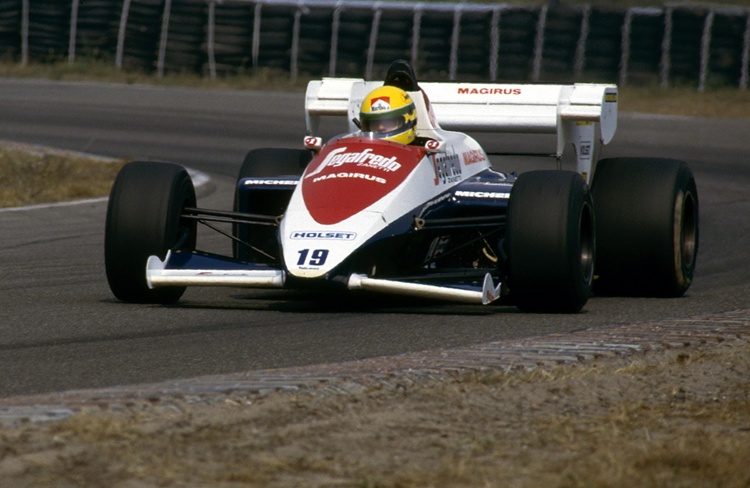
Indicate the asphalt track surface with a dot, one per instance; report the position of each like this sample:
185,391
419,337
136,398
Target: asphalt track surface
61,329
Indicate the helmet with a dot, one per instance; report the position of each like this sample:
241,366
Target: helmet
389,113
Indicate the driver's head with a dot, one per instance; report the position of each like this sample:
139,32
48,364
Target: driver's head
389,113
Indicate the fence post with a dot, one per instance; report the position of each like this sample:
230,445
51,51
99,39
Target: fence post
455,38
666,47
73,30
745,54
539,44
583,36
625,47
495,41
335,26
210,39
708,26
24,32
121,34
374,28
163,39
255,50
294,68
416,33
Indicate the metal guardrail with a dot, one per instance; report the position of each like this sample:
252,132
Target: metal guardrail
706,46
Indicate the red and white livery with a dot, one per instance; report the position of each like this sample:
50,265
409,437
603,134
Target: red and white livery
429,219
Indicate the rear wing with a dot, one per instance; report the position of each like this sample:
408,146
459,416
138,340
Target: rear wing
581,115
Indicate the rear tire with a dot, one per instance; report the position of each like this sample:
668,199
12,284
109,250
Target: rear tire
647,227
265,163
550,242
143,219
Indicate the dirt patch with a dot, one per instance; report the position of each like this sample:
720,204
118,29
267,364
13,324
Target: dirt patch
676,417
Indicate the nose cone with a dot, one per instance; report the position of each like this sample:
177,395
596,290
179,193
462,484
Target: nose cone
352,174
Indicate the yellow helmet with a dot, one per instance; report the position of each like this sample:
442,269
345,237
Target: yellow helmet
389,113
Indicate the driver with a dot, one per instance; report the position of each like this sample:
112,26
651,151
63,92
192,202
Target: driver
388,113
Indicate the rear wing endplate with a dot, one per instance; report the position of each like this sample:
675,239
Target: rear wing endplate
581,115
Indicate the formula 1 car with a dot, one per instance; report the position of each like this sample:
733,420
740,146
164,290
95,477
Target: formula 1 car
429,219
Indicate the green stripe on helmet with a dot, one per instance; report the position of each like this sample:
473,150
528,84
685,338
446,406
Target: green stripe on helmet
385,114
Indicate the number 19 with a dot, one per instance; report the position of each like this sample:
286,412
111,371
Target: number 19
317,257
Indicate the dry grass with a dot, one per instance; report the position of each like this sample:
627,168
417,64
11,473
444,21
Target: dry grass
106,72
676,419
687,101
31,175
727,102
656,444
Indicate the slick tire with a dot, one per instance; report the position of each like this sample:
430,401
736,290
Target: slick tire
262,163
647,227
550,242
144,219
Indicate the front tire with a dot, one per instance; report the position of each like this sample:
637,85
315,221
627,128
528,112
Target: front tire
550,242
144,219
647,227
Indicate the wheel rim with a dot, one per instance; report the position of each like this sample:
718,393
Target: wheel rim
586,230
688,230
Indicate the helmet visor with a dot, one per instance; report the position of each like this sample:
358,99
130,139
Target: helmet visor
382,125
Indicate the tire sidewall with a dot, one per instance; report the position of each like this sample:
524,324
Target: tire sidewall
143,219
549,213
644,208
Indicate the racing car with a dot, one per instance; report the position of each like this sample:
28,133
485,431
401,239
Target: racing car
424,216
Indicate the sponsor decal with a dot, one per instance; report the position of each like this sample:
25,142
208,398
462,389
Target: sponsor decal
482,194
326,235
362,176
351,174
271,182
474,156
438,247
312,142
489,90
437,200
447,167
379,104
585,149
365,158
432,145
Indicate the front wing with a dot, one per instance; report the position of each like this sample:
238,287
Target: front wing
180,268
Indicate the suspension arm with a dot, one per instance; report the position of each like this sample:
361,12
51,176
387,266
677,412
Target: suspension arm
229,217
